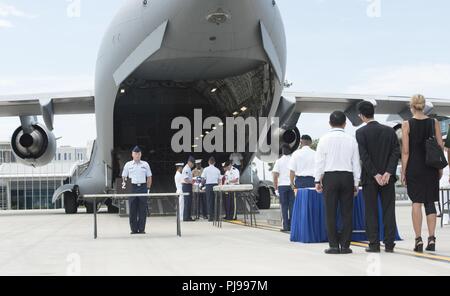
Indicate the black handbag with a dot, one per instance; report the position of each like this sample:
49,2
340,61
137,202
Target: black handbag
434,157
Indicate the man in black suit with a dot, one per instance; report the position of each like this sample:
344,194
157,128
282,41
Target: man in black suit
380,152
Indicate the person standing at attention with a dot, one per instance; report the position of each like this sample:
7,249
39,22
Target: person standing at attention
187,188
232,177
380,154
422,181
141,179
282,184
338,171
178,183
302,165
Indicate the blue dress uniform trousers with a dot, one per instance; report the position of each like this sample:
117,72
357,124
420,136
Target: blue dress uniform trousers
304,182
187,188
210,197
138,209
203,205
287,198
229,201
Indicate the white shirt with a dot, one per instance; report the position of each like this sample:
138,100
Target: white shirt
282,168
178,179
231,175
187,174
236,158
211,174
338,152
138,171
303,162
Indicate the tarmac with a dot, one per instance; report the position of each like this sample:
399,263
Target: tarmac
52,243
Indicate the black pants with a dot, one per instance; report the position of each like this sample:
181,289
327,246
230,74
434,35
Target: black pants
338,190
187,188
210,197
387,193
138,209
203,205
229,200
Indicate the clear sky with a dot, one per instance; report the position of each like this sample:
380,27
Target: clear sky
396,47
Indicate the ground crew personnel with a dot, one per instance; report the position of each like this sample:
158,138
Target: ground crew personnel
211,176
232,176
178,183
187,188
141,179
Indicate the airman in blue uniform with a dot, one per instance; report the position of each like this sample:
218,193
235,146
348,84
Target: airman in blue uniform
141,179
187,188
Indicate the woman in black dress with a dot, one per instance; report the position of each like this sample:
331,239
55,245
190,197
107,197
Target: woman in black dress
421,180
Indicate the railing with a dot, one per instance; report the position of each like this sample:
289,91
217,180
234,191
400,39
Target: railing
95,197
444,204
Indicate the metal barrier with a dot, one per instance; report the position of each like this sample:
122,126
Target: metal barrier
245,192
444,204
94,197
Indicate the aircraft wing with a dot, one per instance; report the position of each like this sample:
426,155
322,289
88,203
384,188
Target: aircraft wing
81,102
327,103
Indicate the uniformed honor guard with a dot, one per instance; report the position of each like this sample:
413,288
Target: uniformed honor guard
141,179
202,209
211,177
187,188
178,183
232,177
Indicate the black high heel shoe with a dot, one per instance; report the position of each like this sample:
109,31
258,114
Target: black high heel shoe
431,244
419,245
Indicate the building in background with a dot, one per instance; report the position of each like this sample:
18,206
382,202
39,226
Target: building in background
27,188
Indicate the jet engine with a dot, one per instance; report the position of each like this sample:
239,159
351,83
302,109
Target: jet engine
34,145
291,137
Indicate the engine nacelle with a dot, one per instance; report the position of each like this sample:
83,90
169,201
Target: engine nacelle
291,137
35,148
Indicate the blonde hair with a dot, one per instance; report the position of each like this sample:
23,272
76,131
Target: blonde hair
418,102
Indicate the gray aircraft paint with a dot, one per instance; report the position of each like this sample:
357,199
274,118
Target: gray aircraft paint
137,30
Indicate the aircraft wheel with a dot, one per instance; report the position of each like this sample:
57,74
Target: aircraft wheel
70,203
263,198
113,209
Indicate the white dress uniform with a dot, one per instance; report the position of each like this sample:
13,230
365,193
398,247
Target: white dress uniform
178,183
231,175
287,196
282,168
303,162
230,199
187,188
